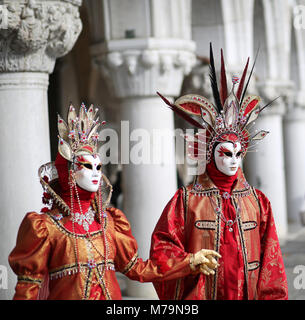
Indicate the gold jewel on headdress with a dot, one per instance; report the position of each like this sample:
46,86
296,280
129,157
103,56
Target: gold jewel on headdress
78,133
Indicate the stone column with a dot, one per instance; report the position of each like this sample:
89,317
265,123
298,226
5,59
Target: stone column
294,124
264,165
154,56
32,35
266,168
294,131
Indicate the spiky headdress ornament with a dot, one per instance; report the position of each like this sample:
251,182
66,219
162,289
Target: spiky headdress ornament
80,134
229,118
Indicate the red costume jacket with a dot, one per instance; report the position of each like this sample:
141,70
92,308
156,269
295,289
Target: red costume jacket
253,270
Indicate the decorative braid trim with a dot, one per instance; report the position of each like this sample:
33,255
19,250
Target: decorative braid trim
215,192
30,280
71,269
131,263
61,228
249,225
253,265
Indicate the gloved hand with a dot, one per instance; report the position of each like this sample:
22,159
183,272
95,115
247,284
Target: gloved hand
204,261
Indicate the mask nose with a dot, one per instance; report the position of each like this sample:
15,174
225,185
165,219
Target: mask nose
95,173
234,160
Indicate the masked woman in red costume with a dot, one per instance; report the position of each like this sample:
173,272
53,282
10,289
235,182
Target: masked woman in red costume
220,210
72,249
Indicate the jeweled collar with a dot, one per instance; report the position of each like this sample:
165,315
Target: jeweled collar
204,186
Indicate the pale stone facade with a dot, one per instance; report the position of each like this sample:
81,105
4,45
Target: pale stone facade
127,51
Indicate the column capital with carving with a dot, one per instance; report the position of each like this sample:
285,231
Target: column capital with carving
140,67
34,33
270,89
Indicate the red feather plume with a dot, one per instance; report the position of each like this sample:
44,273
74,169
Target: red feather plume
181,113
242,81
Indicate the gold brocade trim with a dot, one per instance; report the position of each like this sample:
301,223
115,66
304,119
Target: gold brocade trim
256,198
216,246
215,192
131,263
88,282
30,280
103,284
178,289
204,186
241,193
185,199
71,269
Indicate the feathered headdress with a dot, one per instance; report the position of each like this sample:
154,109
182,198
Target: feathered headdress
229,117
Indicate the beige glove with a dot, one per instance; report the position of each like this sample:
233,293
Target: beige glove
204,261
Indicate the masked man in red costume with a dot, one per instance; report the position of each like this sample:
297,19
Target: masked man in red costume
73,249
220,210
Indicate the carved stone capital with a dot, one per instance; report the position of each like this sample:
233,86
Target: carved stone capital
271,89
198,81
34,33
140,68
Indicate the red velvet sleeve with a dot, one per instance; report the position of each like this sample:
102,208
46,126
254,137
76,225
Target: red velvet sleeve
272,282
128,262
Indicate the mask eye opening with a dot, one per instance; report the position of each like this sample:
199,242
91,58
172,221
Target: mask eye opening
87,165
228,154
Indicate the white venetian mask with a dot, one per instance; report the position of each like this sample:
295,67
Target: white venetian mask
88,172
228,156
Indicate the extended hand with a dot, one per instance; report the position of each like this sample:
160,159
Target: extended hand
205,260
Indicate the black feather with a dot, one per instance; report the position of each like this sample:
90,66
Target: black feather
268,104
213,79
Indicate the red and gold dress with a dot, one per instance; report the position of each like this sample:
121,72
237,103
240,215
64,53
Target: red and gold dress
251,266
45,249
55,258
